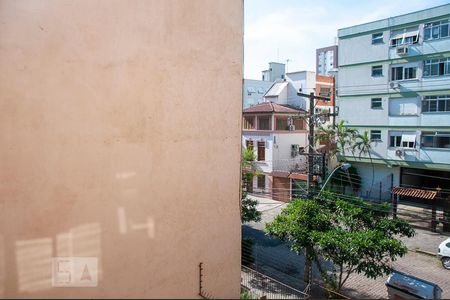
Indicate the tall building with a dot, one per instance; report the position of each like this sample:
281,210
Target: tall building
326,60
394,83
116,181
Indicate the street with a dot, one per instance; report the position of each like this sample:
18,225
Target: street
273,257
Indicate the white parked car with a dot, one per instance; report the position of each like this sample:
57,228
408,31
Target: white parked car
444,253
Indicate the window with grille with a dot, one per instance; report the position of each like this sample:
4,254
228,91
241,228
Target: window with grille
436,30
375,135
436,67
436,104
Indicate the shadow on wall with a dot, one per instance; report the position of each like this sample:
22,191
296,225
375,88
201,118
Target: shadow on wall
34,256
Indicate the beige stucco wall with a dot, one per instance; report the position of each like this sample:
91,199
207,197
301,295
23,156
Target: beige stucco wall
120,139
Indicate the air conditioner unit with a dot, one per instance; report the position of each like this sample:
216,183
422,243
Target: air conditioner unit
394,85
400,153
402,50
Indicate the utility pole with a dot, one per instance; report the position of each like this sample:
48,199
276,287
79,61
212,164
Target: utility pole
311,126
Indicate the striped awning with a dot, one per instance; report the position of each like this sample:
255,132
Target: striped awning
416,193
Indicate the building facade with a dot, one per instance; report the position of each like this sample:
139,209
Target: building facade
254,91
326,60
278,137
394,82
109,158
276,71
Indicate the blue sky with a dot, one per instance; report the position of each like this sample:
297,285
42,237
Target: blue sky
276,30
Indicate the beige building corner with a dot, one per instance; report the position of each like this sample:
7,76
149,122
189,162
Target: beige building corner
120,142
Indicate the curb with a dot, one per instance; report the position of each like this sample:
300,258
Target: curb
424,252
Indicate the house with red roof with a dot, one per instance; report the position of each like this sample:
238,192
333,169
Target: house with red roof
277,133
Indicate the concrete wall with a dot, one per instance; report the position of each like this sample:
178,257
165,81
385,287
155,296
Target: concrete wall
282,159
382,175
115,145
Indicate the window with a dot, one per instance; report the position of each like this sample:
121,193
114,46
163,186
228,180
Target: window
375,135
436,104
402,73
410,73
249,144
261,151
250,91
376,103
436,30
377,71
377,38
402,139
395,140
261,181
404,37
263,123
396,73
324,91
249,122
436,67
436,139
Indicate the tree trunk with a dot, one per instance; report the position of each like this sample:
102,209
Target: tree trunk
373,173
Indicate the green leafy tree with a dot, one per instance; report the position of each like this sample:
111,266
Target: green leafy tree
363,144
355,235
298,223
248,206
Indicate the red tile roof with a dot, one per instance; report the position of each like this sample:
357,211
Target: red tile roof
417,193
269,107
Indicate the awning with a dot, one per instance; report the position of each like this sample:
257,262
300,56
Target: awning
416,193
404,35
409,137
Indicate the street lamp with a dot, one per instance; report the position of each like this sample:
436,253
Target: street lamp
344,167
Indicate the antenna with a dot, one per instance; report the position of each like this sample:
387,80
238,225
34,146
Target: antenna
287,65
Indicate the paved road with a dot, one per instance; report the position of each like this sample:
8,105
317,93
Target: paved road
273,257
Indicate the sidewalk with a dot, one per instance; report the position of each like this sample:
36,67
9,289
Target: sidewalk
425,240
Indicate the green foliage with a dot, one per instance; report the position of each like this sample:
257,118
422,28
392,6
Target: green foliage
249,212
248,155
357,236
247,295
